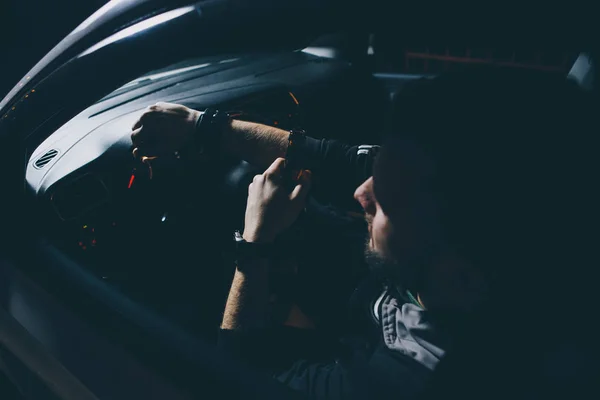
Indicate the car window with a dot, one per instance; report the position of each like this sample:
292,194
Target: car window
434,60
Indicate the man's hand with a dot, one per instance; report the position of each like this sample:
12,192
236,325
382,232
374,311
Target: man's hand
163,129
271,208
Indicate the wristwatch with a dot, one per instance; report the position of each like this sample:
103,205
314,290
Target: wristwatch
247,251
296,140
209,127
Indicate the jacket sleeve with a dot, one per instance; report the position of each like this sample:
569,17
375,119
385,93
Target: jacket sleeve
277,351
338,168
274,349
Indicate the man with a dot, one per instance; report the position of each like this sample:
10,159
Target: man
469,191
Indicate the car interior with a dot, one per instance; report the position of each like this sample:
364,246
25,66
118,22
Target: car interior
142,254
98,206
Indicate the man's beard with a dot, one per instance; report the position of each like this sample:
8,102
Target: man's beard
403,275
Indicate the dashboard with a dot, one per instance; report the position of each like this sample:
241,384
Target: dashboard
97,196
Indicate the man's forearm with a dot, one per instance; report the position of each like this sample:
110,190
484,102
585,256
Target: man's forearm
248,300
256,143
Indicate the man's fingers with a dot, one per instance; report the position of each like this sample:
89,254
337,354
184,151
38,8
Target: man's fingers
151,116
276,169
148,114
300,193
135,135
302,188
137,125
305,177
257,178
148,135
141,151
146,150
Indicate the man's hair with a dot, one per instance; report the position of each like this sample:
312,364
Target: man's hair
514,156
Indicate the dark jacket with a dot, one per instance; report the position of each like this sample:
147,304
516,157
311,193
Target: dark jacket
397,360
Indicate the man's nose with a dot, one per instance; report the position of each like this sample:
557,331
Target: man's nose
364,195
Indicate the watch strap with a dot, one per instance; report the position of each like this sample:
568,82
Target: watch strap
208,130
296,140
251,251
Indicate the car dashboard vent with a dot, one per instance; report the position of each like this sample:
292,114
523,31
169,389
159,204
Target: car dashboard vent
45,159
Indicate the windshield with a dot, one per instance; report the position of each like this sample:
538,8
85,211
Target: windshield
187,66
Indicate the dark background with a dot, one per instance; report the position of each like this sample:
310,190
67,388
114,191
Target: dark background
31,28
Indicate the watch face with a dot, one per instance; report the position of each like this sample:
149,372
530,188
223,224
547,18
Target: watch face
237,236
